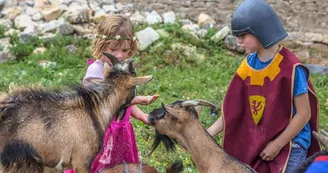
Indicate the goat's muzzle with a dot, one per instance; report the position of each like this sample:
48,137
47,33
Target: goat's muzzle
154,115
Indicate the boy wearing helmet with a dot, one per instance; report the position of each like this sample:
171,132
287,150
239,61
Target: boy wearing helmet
270,107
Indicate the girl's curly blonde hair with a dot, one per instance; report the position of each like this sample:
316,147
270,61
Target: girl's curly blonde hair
112,27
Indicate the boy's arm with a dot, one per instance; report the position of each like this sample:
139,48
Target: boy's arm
139,114
302,116
216,127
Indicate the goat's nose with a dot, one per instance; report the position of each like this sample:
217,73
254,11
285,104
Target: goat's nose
151,120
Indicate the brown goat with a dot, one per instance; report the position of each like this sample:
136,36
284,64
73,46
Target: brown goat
180,121
63,129
176,167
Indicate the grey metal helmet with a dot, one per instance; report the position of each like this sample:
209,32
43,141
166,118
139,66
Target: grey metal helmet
259,18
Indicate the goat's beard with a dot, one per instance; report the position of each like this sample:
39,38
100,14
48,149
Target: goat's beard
168,142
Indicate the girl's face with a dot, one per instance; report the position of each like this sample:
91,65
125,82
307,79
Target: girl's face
121,51
249,42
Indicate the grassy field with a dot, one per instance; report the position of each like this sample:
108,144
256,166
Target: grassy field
176,77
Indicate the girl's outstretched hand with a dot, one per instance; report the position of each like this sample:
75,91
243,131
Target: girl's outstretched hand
144,100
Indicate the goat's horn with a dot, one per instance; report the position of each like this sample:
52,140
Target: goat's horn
140,167
112,58
126,168
128,66
199,102
322,138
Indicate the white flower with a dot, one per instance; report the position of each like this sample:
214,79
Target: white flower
118,37
103,37
134,38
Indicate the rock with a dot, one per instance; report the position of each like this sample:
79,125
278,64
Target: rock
29,3
221,34
47,36
56,1
22,21
81,30
317,69
68,2
12,13
138,19
30,11
185,22
5,43
11,31
51,12
6,55
99,16
37,17
201,33
204,19
110,8
94,6
77,15
191,27
71,49
31,29
188,51
325,38
89,36
41,4
65,29
51,26
169,17
153,18
6,23
208,26
146,37
314,37
2,4
25,37
231,43
47,64
39,50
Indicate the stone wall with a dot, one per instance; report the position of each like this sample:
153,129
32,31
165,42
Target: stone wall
305,16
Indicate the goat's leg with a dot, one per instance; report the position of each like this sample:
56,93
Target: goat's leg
81,162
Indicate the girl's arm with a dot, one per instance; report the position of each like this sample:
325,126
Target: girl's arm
216,127
139,114
144,100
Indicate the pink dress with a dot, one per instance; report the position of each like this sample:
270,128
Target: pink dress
119,141
119,145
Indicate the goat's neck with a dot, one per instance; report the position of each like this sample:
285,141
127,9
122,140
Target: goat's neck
109,104
201,145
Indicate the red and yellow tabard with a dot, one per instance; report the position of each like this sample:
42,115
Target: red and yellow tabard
258,107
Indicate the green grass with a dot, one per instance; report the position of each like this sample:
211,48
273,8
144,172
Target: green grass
176,77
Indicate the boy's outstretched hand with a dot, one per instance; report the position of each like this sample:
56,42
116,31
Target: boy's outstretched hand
144,100
270,151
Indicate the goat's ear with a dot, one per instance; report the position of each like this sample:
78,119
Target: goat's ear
171,111
140,80
106,70
198,109
323,139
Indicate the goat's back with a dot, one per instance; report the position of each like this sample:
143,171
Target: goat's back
44,121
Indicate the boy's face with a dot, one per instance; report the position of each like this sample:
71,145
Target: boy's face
121,51
249,42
